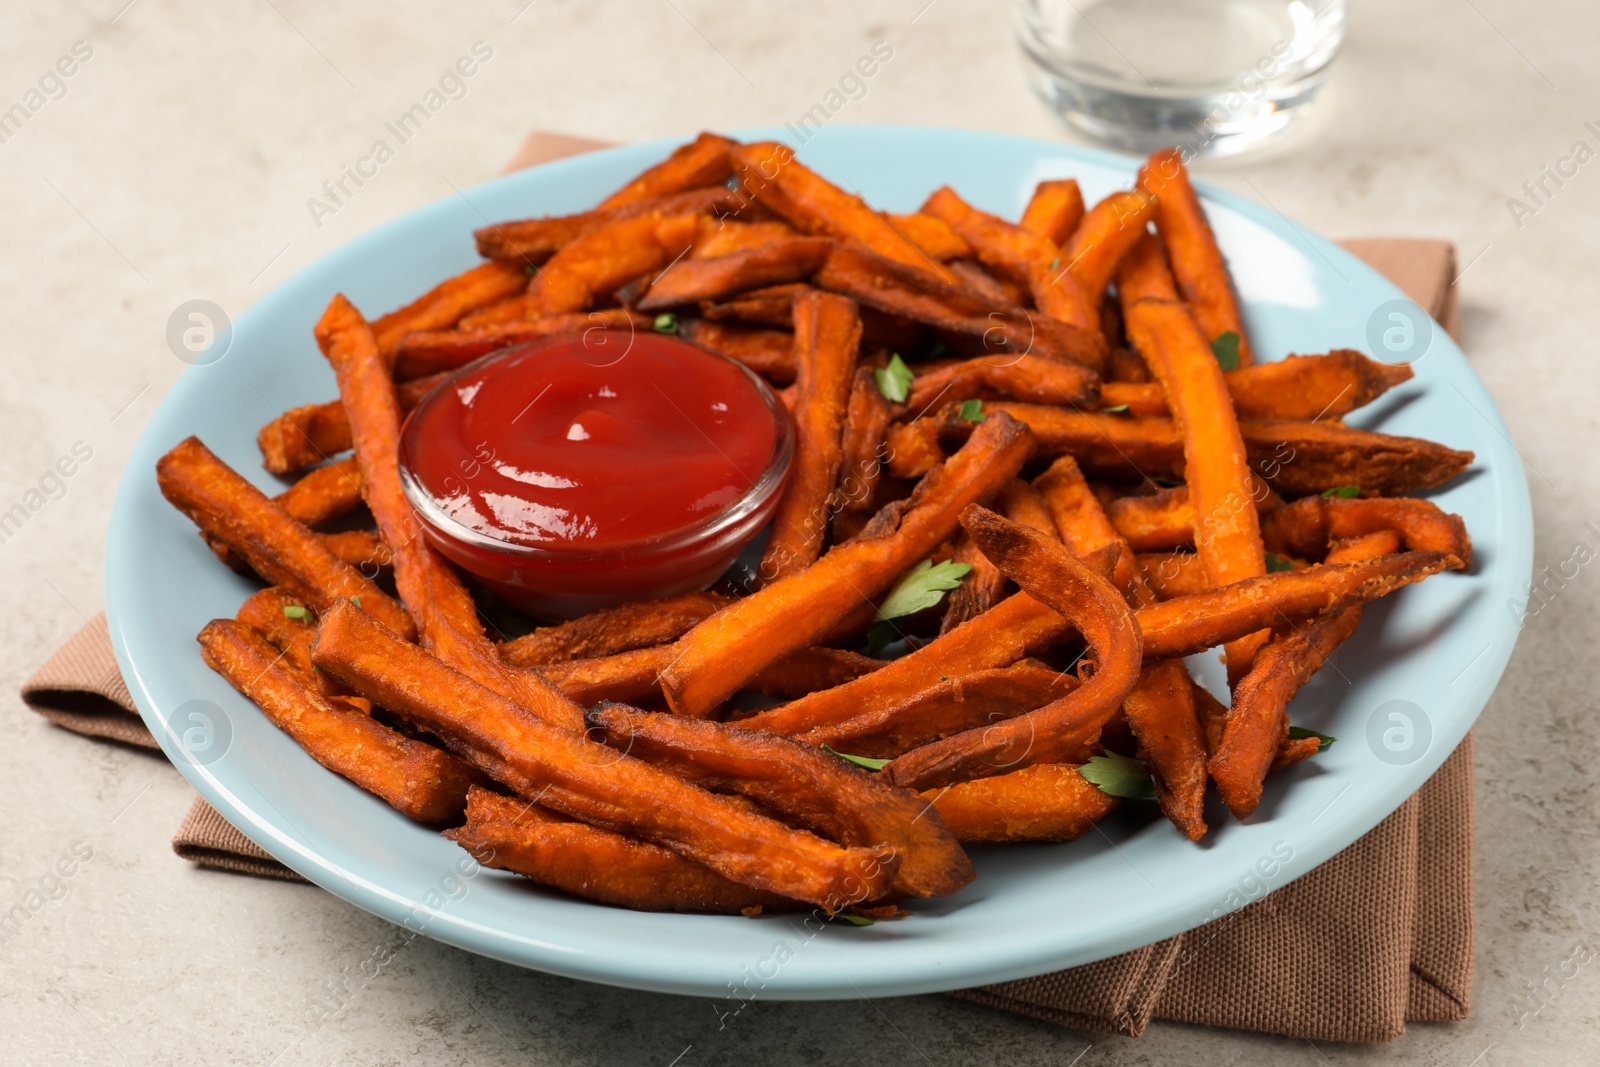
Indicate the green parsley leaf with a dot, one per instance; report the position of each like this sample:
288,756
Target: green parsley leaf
972,410
1323,740
529,268
356,601
860,761
853,920
1118,410
1119,776
894,381
923,587
1226,349
1054,263
295,611
1277,563
666,322
1342,492
1167,483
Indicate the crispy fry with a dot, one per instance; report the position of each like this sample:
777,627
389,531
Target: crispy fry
1044,381
1054,210
588,781
770,353
1295,458
950,707
611,630
984,585
606,258
1044,802
1307,528
532,241
596,864
428,352
1173,574
310,434
629,677
880,283
446,616
771,306
864,445
827,338
1197,263
914,448
720,654
1012,251
1143,274
413,777
729,236
777,262
932,236
446,304
1104,236
769,172
1021,502
1300,387
262,612
323,494
703,161
1166,518
1044,568
991,286
1227,529
821,792
281,550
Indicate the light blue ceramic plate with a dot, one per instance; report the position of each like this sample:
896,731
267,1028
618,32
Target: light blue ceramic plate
1399,697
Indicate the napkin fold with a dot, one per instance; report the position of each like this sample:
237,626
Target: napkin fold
1380,935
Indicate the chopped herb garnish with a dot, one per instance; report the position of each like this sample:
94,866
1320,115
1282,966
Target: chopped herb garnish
1167,483
295,611
922,588
894,381
1323,740
853,920
1118,410
529,268
1342,492
972,410
1277,563
356,601
1054,263
666,322
1226,349
860,761
1119,776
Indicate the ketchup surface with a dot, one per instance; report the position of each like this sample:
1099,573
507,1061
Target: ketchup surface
591,442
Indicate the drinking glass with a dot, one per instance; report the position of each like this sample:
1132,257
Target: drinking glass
1210,76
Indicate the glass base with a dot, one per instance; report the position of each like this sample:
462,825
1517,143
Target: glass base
1210,124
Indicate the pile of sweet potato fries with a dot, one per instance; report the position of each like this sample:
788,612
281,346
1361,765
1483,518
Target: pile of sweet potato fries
1062,415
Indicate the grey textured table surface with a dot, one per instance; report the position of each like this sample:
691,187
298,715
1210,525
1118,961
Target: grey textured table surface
177,164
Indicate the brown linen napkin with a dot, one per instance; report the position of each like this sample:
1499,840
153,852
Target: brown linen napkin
1380,935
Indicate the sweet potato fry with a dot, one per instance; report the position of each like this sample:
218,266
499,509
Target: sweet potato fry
1055,732
1173,574
790,259
445,614
532,241
770,353
769,172
1104,236
1300,387
864,446
1197,263
984,586
819,791
1308,527
703,161
1021,502
281,550
587,781
723,652
323,494
827,338
596,864
428,352
262,612
1227,530
312,433
1033,378
1295,458
1012,251
606,258
1044,802
728,236
1143,274
630,677
771,306
914,448
890,287
1166,518
446,304
950,707
992,286
933,236
620,629
1054,210
413,777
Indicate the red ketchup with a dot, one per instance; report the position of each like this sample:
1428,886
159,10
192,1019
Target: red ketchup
577,472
